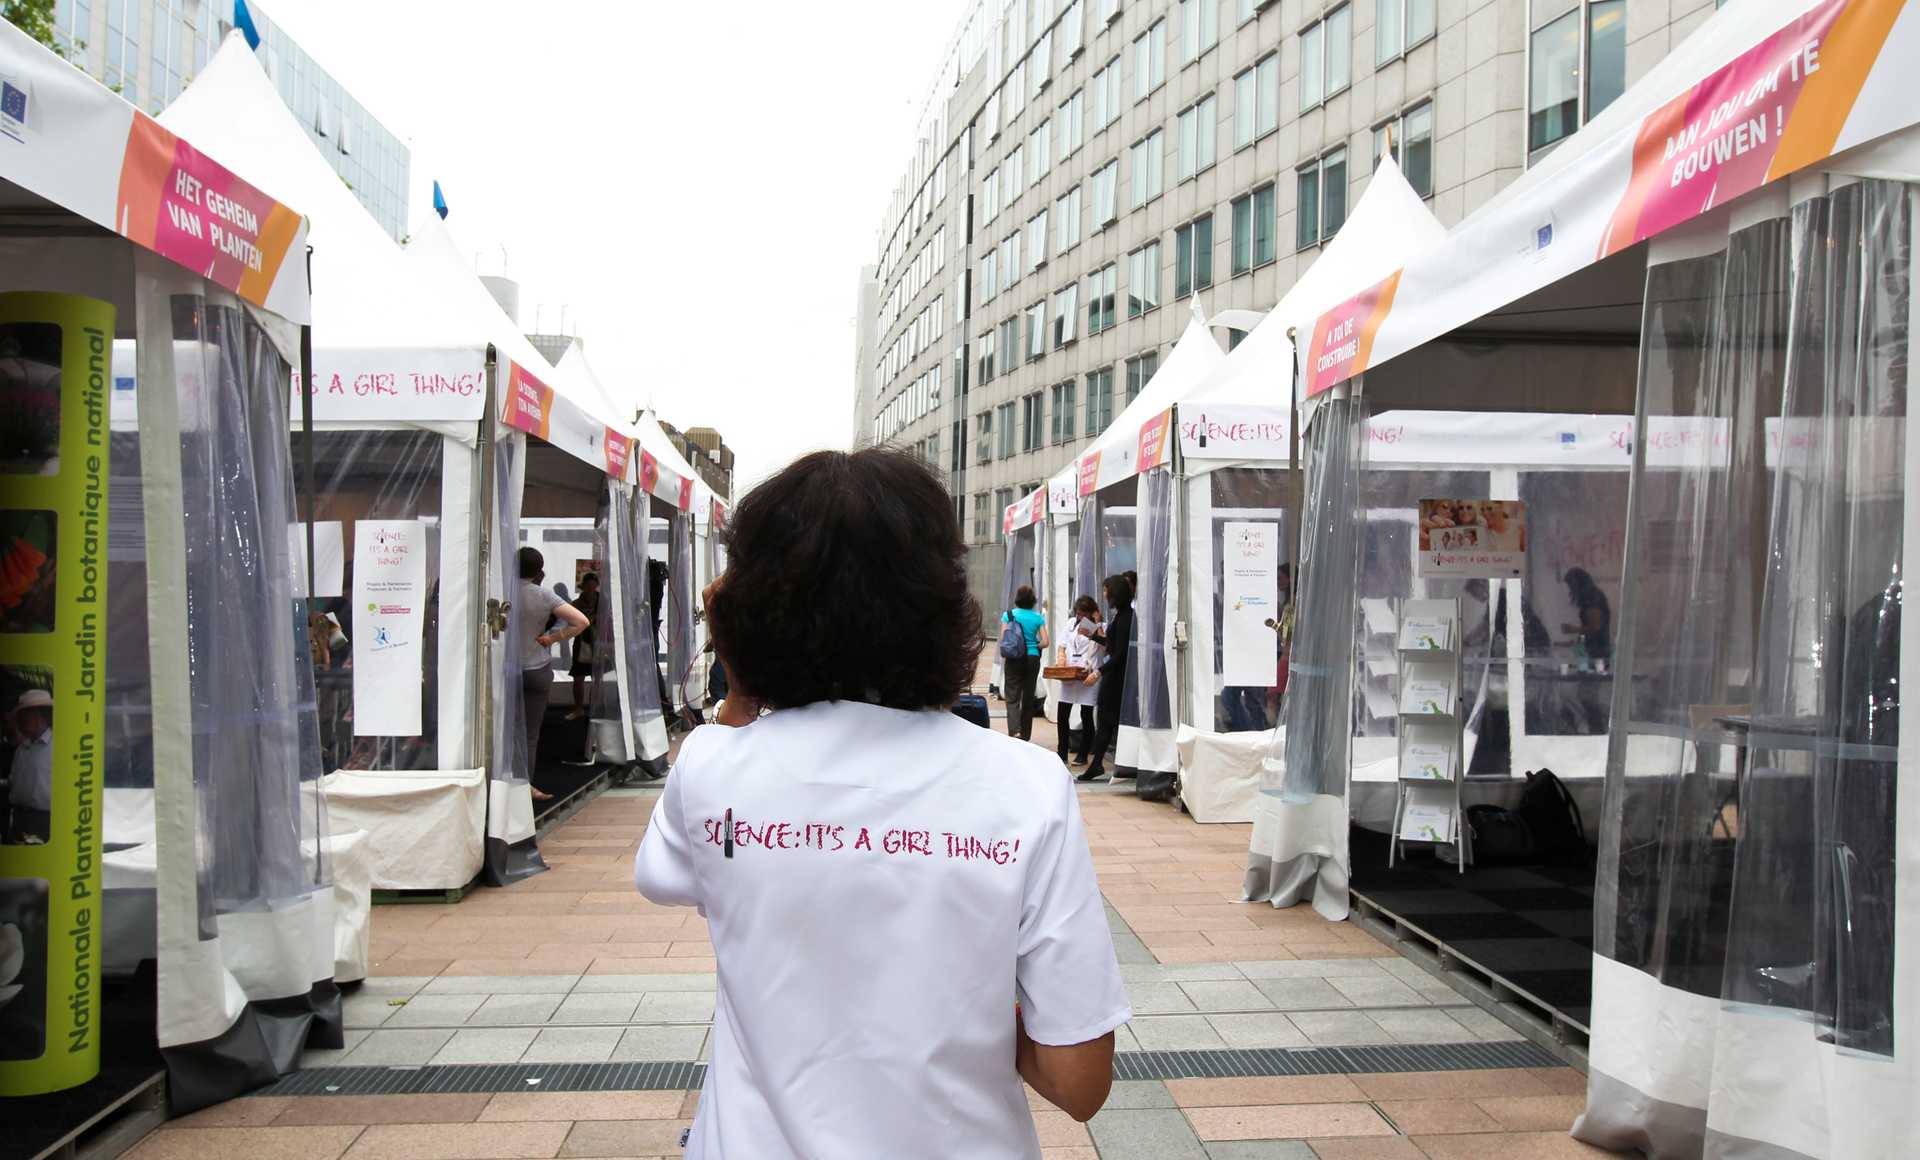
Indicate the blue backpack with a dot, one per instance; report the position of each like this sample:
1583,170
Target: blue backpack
1013,640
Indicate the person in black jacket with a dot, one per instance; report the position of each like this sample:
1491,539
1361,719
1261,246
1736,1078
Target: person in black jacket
1113,671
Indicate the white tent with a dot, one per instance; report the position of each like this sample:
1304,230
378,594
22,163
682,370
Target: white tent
1234,439
116,227
409,348
1743,222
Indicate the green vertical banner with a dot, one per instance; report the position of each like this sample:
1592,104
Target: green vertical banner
56,357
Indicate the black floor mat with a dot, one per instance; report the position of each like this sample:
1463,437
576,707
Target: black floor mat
562,742
1532,925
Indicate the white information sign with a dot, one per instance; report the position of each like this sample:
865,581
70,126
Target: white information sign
329,558
389,597
1250,597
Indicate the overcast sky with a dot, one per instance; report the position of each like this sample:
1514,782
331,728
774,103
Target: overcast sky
698,184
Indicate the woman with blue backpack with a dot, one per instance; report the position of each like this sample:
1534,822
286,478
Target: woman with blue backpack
1023,641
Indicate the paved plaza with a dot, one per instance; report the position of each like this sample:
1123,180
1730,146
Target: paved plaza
574,967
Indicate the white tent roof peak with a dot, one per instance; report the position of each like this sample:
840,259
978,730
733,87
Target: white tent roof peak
1389,222
363,297
1192,359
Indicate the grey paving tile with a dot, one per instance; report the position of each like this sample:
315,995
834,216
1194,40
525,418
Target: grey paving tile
1313,968
1421,1026
612,1007
636,984
487,1045
1302,994
1366,992
1230,996
1145,1134
1139,1093
331,1057
677,1043
573,1045
1175,1033
1157,998
514,1010
435,1011
1404,969
392,986
1261,1150
1130,951
1340,1028
1483,1025
674,1007
1123,1038
388,1048
1262,1029
502,984
367,1010
1178,972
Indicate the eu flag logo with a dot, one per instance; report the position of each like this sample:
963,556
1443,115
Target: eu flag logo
13,103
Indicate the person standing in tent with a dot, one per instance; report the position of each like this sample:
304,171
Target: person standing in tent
1021,672
1115,638
1079,650
581,670
540,606
903,905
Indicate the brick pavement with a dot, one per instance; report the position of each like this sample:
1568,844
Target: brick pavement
574,966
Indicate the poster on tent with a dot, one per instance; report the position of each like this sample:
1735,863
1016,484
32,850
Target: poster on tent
1473,537
389,598
55,364
1250,602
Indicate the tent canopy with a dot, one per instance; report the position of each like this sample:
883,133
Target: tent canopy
74,148
1242,407
1732,107
400,336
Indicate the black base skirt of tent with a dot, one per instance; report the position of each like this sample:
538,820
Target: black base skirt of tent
1530,925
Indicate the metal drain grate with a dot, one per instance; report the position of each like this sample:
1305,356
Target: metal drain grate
683,1076
1328,1060
491,1077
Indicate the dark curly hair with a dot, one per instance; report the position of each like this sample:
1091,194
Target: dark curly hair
847,581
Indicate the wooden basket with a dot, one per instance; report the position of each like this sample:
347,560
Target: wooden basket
1063,673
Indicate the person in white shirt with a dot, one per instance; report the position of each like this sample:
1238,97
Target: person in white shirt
30,778
539,607
1078,649
902,905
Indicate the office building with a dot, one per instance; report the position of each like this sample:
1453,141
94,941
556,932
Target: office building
150,50
1085,168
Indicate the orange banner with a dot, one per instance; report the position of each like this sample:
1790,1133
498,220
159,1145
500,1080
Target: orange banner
1343,337
529,403
1090,473
183,205
1153,440
619,451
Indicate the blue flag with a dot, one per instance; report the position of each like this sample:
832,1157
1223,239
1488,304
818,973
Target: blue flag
439,202
243,20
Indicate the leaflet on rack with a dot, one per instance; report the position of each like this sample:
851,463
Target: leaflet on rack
1426,689
1427,816
1426,751
1426,633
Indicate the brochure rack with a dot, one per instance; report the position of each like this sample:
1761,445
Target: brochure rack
1428,804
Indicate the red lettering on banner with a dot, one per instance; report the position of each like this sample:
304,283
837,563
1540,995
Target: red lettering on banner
831,838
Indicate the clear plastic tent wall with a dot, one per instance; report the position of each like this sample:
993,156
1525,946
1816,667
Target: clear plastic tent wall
1758,897
237,707
1150,663
1299,847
